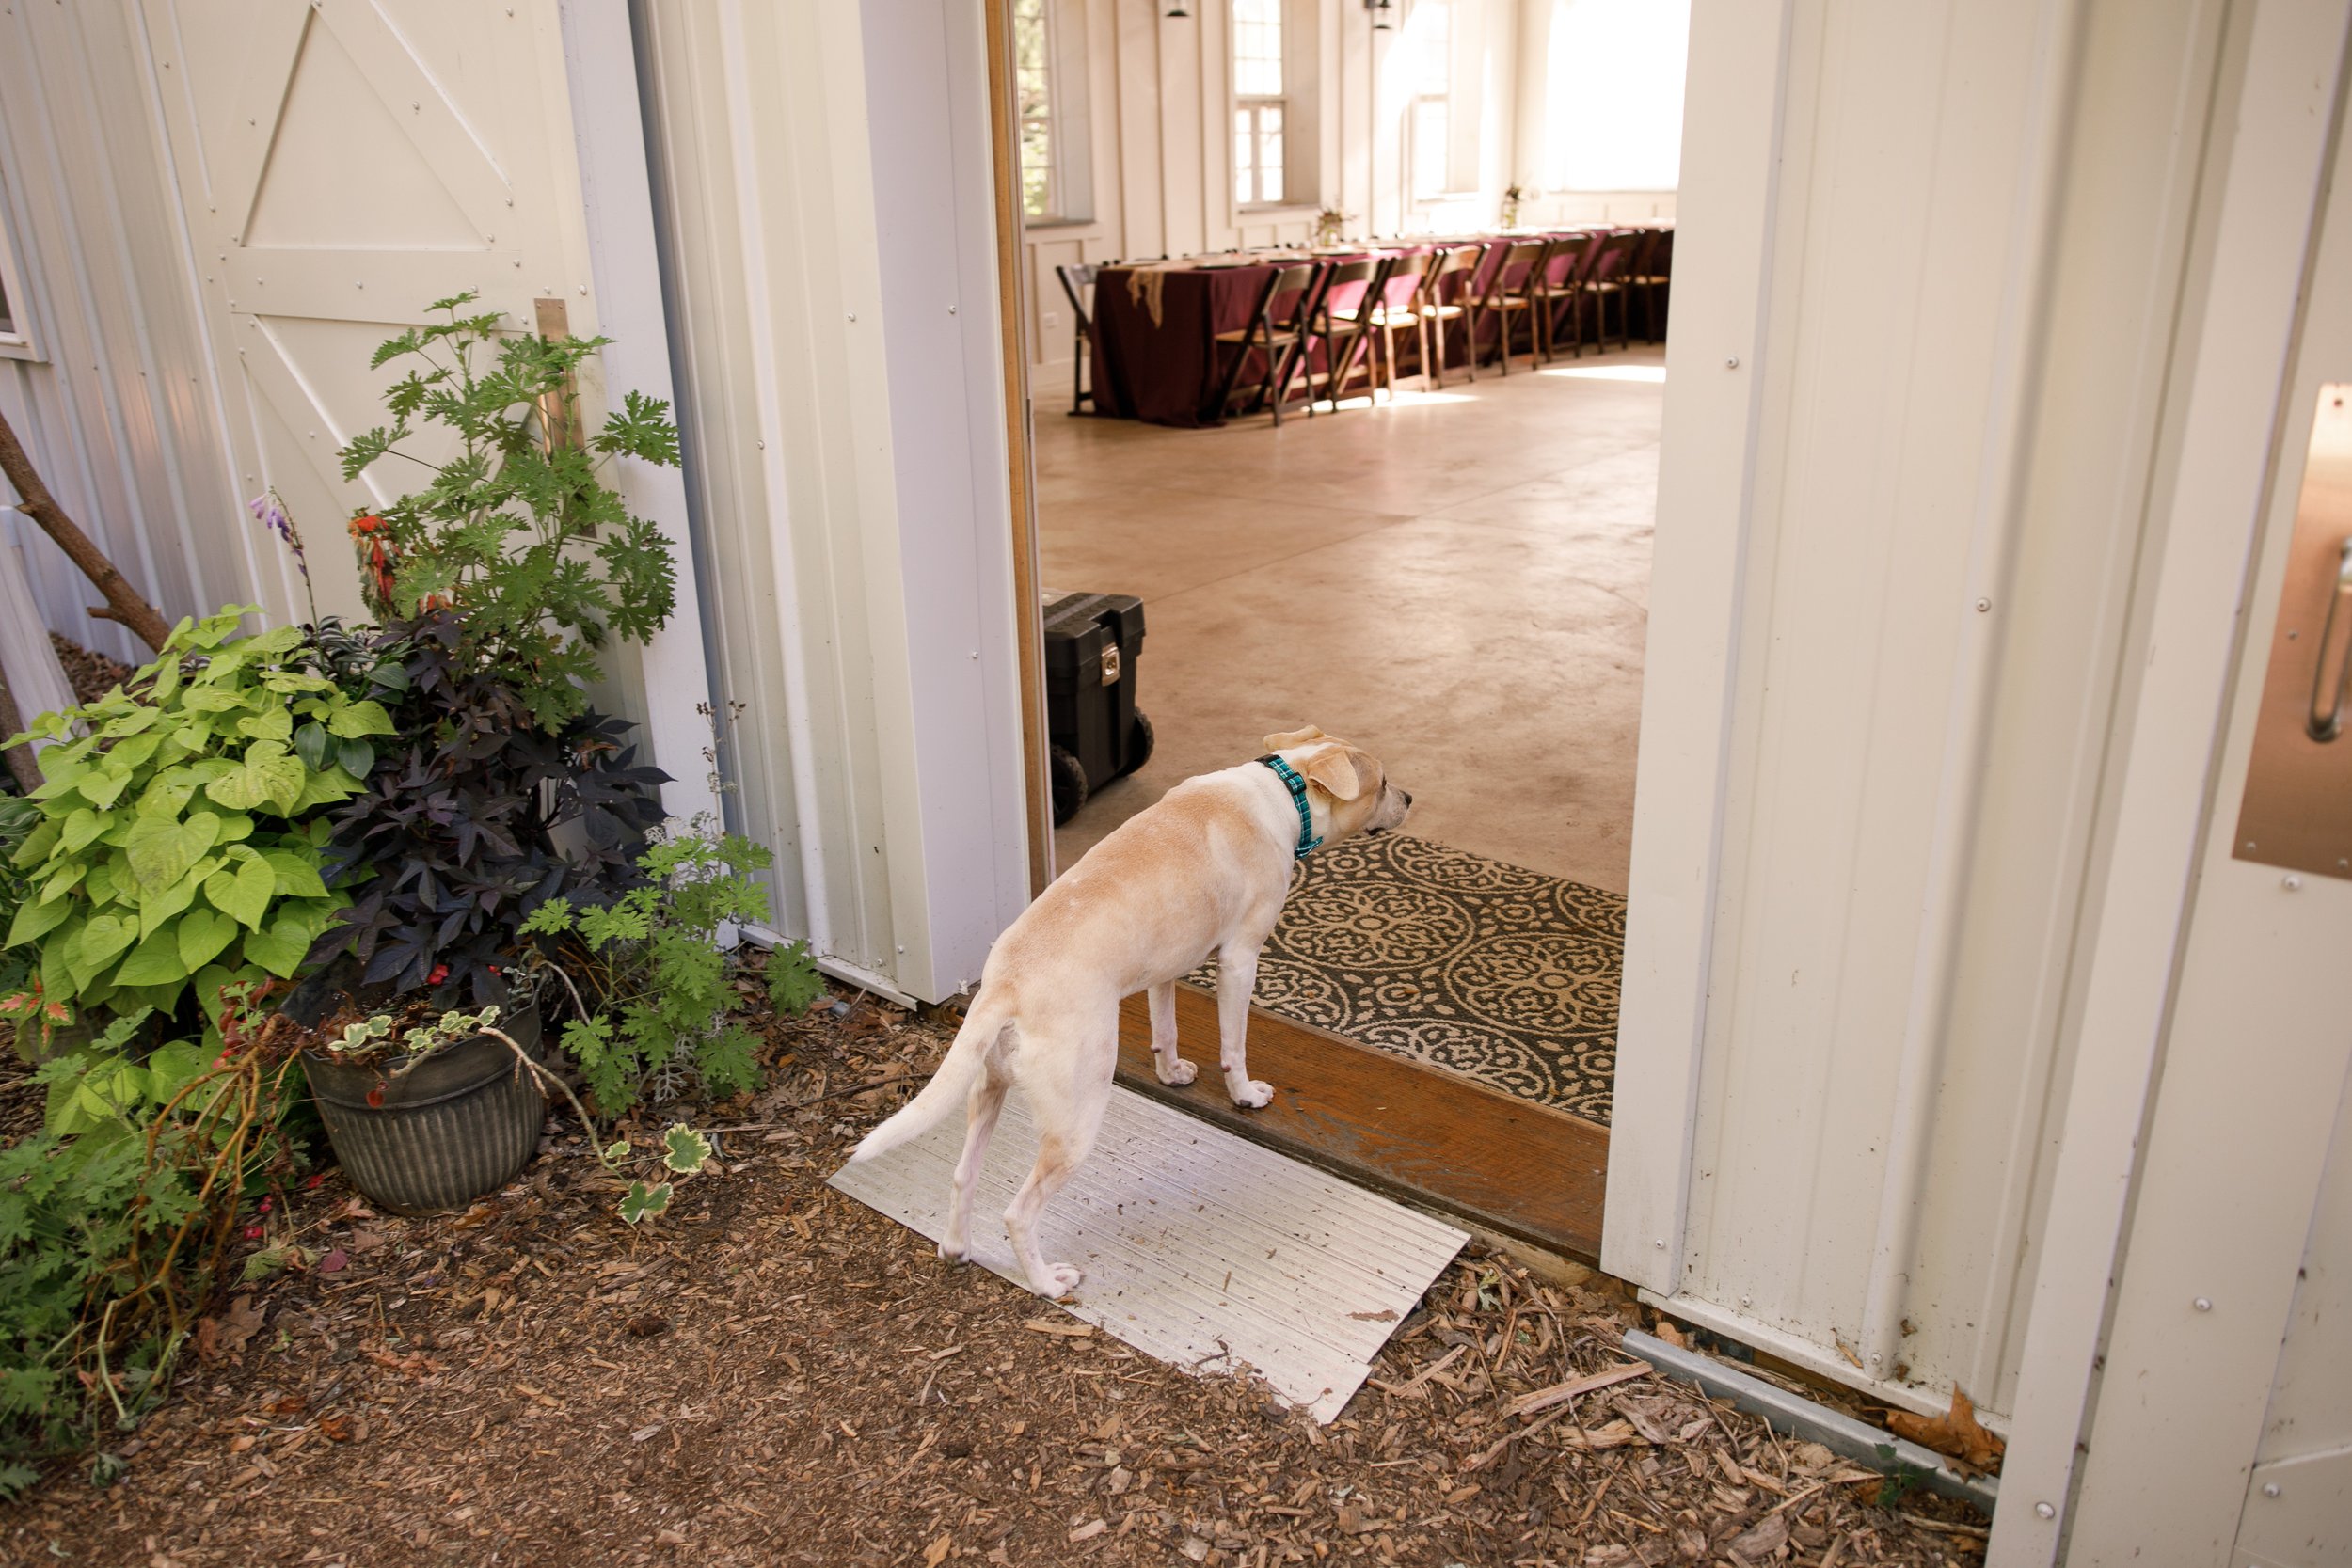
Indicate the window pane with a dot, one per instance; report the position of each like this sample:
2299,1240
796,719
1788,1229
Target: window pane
1430,125
1269,151
1432,38
1244,156
1033,92
1619,129
1258,48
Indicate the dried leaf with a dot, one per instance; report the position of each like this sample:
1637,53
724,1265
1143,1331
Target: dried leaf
1955,1433
226,1334
936,1552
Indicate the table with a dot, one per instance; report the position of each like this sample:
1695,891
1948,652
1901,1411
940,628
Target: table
1155,322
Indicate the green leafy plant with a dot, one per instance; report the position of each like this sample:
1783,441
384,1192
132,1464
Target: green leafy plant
658,995
517,530
18,819
117,1216
179,841
1902,1477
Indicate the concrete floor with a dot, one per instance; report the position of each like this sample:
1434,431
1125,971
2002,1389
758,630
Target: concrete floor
1458,583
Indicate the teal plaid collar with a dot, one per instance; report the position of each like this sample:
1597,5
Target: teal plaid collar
1308,843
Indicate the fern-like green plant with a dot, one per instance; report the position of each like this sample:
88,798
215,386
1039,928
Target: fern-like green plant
659,992
518,530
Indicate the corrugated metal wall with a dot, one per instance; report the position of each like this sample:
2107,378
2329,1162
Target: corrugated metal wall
832,291
116,397
1974,264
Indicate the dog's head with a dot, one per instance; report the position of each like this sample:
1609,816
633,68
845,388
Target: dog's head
1356,791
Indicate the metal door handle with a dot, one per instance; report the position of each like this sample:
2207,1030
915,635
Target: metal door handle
2329,695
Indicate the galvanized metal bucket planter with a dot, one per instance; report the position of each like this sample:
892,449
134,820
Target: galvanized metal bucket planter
457,1125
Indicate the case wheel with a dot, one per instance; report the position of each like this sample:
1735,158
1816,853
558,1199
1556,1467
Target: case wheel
1140,743
1070,784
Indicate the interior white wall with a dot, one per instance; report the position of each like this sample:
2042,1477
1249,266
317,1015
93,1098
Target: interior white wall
1159,123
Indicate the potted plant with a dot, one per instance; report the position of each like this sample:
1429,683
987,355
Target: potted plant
497,584
1328,224
428,1107
1512,197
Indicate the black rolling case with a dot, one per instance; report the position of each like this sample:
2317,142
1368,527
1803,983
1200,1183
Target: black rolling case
1093,662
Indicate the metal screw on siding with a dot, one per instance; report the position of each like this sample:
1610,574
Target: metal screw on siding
853,315
1746,1301
2271,1489
1661,1243
2291,882
2045,1511
951,309
2202,1304
1983,605
1732,363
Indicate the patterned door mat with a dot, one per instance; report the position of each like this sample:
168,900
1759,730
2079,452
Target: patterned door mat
1502,975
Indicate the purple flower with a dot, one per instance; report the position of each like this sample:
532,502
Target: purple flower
270,512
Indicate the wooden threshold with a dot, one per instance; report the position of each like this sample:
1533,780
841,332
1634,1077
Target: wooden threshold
1424,1136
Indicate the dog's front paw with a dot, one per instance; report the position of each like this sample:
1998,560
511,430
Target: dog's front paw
1060,1280
1254,1094
954,1252
1182,1073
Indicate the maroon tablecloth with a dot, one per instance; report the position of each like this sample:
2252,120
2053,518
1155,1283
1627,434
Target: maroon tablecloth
1168,371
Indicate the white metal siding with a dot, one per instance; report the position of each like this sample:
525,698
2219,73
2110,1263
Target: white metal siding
1974,269
118,408
851,489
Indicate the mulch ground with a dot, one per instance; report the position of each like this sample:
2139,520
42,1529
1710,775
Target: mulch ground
773,1373
90,673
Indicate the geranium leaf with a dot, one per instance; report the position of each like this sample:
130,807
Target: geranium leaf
643,1202
683,1150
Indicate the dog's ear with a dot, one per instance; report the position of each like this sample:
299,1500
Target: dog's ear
1334,767
1289,738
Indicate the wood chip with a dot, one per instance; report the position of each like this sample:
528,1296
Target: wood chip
1061,1330
1543,1399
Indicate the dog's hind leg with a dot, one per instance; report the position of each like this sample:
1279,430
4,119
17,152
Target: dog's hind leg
1236,977
1171,1068
1068,1106
987,1103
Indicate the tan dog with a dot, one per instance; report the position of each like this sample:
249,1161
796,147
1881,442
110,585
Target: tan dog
1206,869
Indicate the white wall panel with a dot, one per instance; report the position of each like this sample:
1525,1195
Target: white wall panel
846,490
1974,270
115,400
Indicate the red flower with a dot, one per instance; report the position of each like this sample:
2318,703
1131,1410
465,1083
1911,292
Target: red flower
311,1182
252,1232
366,523
440,972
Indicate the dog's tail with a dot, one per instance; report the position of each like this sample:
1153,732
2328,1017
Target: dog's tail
949,1086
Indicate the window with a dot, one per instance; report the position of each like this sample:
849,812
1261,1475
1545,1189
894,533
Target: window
16,331
1258,103
1033,96
1619,129
1429,35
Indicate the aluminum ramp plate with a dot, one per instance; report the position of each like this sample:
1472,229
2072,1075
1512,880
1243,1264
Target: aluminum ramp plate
1199,1248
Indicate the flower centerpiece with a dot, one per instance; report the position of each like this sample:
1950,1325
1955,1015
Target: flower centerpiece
1512,197
1330,223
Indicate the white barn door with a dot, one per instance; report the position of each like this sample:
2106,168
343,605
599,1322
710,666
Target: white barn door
344,163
